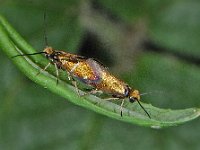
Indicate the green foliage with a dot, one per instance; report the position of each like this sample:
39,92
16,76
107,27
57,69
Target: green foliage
12,44
31,117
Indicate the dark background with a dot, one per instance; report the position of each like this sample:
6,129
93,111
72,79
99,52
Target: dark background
152,45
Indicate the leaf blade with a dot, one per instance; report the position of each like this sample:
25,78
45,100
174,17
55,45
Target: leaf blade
12,43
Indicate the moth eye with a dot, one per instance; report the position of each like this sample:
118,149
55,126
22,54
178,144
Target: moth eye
132,99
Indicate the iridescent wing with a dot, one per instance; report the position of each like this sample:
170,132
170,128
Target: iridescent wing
89,71
73,58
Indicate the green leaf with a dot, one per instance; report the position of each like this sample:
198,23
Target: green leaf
12,44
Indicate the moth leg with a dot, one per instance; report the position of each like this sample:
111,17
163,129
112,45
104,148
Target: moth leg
93,91
74,67
121,107
43,68
57,73
116,98
74,81
69,76
111,98
76,87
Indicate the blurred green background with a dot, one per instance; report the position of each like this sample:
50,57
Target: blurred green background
152,45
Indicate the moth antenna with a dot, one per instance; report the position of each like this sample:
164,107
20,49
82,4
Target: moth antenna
146,93
45,39
45,32
144,109
28,54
